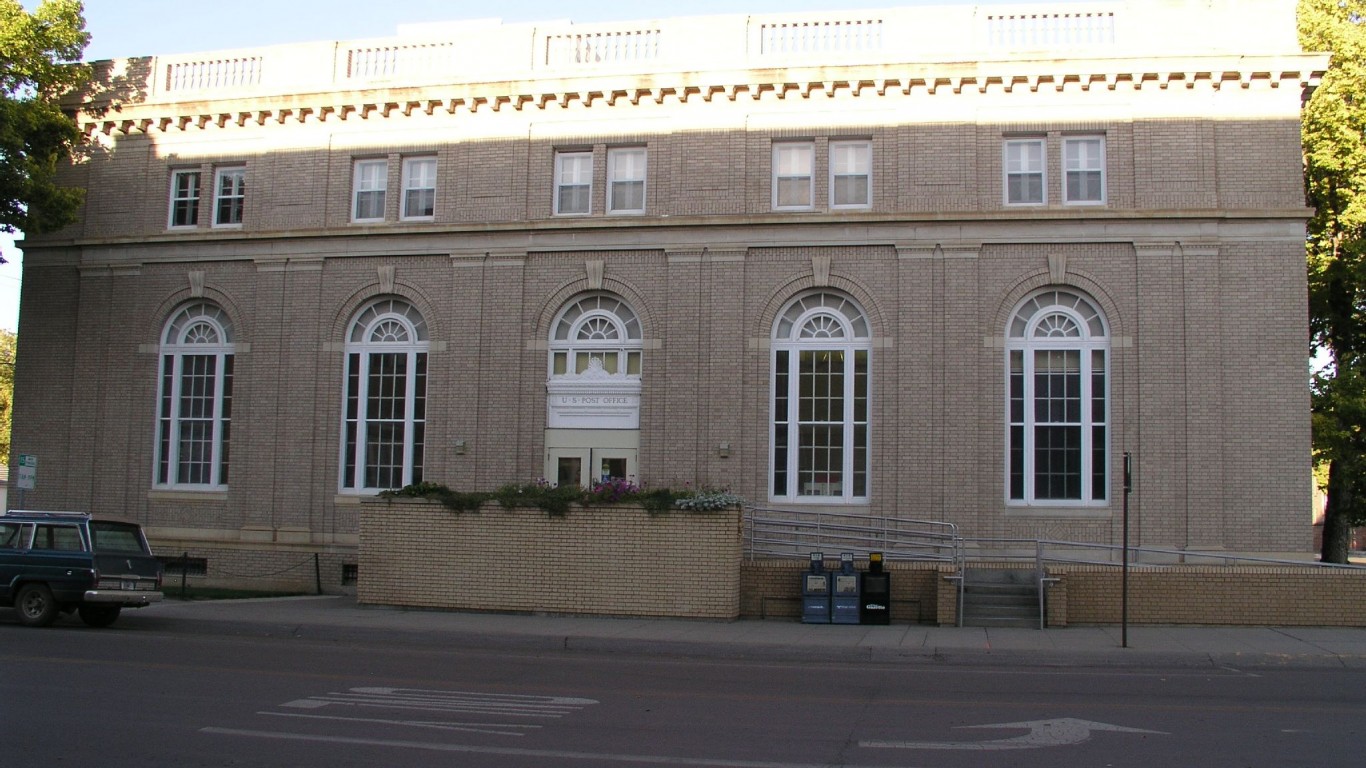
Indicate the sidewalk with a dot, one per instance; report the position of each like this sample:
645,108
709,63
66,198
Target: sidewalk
339,618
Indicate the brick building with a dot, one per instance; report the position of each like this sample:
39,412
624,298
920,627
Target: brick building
945,263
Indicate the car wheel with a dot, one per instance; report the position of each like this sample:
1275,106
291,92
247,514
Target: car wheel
98,615
36,606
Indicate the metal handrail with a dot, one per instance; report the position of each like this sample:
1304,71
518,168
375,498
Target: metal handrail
1043,555
788,532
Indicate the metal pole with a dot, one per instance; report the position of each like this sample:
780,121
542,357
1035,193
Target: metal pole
1124,578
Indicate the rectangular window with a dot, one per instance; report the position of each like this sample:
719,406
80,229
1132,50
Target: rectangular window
367,190
419,188
820,424
184,199
1057,424
194,420
1024,172
1084,170
793,176
230,196
626,180
851,174
573,183
385,415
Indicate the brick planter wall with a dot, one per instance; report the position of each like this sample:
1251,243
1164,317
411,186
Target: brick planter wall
611,560
1211,595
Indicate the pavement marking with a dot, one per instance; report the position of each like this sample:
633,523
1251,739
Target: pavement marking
1062,732
459,702
497,729
553,754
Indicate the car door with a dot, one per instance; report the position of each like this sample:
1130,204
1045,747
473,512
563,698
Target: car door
14,537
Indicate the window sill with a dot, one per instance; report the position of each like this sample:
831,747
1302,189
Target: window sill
182,494
1056,512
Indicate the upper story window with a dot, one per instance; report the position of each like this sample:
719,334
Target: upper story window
1057,349
821,349
574,183
1083,160
794,175
851,174
384,418
230,196
419,188
194,403
626,180
369,180
1024,171
184,208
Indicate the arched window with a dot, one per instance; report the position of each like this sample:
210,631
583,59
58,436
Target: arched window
1057,349
595,336
821,346
194,403
385,408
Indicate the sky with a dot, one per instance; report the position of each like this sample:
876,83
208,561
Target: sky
126,28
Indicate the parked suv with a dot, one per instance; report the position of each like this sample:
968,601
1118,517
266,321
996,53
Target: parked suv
59,562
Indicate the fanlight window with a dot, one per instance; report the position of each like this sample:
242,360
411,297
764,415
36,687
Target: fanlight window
821,351
194,399
385,405
1058,351
596,335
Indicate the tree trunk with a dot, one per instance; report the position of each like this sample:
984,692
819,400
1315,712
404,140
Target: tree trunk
1337,515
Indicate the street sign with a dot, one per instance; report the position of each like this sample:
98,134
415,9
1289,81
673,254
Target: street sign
28,471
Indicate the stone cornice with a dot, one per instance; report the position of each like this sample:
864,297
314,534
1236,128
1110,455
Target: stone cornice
765,85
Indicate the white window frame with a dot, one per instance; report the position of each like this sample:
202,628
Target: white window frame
392,329
841,167
1083,162
190,198
595,336
236,176
626,166
1014,164
369,176
195,369
820,323
419,176
794,161
574,171
1057,320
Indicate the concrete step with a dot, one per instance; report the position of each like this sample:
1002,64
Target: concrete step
1000,598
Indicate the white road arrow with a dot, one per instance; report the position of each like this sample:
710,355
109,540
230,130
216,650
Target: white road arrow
1042,733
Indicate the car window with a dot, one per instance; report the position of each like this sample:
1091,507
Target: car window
9,535
60,538
117,537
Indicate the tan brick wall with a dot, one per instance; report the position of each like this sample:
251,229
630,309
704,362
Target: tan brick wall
612,560
1196,259
772,589
1232,595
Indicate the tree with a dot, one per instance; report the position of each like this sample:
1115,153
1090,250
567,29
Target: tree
1334,122
37,51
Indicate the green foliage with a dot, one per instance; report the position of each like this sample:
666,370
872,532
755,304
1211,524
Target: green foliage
36,54
1334,136
455,501
556,500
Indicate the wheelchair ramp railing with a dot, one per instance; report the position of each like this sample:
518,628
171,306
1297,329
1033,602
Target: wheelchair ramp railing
797,533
